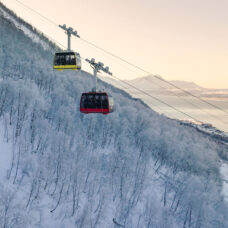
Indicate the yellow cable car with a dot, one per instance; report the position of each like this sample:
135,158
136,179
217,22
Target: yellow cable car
67,61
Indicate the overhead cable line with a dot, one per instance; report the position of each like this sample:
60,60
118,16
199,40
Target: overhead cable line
141,91
127,88
131,64
172,92
179,96
159,78
147,101
31,9
50,38
194,105
157,99
151,96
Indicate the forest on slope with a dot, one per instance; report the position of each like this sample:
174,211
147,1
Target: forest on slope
132,168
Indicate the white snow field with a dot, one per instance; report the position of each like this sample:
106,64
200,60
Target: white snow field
5,154
224,173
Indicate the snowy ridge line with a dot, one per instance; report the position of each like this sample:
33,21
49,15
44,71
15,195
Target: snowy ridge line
26,31
209,130
34,34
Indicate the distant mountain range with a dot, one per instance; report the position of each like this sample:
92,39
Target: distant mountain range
152,84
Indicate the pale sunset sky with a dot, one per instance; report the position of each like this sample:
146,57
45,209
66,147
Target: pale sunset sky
177,39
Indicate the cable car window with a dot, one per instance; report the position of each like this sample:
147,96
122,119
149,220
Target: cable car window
72,59
67,58
90,103
97,101
83,101
78,59
104,101
57,59
62,60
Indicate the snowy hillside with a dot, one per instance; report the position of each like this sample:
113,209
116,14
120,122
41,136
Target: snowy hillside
60,168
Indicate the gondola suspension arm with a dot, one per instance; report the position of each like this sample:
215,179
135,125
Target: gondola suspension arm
69,31
97,67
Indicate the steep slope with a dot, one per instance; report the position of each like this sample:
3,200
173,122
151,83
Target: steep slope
132,168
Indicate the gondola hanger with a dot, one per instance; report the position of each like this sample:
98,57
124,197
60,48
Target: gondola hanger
67,60
94,101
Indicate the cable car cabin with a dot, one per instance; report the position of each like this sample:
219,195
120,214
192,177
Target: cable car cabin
96,102
67,61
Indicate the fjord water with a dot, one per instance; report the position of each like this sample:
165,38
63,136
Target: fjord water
216,117
191,106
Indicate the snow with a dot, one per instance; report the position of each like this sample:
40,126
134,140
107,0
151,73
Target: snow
34,37
5,154
224,173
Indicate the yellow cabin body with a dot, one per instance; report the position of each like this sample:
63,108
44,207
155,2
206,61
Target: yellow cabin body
67,61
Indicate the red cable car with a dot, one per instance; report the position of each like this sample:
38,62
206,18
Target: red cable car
96,102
